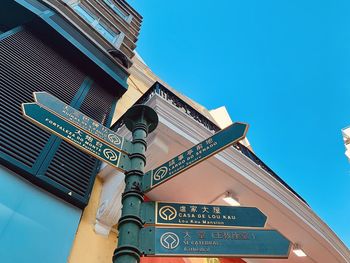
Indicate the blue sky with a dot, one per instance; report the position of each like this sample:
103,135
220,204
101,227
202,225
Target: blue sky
282,66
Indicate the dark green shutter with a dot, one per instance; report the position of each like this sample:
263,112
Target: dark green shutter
28,64
64,168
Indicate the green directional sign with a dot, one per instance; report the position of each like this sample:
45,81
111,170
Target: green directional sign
180,214
194,155
185,242
82,121
75,136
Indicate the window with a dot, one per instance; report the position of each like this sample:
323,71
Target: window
106,32
85,14
117,10
96,23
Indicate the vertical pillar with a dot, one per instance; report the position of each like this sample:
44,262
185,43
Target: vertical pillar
140,120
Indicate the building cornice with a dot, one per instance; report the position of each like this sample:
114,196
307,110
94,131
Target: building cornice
172,99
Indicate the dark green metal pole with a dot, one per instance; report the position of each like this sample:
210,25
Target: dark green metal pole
140,120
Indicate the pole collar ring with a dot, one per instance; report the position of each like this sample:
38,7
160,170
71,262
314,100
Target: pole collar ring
127,250
134,172
142,141
134,193
140,126
138,155
130,219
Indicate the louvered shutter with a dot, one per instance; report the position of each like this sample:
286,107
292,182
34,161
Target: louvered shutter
63,169
98,103
27,64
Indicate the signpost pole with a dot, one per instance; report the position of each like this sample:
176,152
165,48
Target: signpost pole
140,120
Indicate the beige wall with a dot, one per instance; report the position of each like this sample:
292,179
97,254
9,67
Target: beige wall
136,88
88,247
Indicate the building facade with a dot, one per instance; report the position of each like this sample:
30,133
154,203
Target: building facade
58,204
80,52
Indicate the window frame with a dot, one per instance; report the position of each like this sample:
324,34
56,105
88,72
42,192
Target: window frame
117,10
98,23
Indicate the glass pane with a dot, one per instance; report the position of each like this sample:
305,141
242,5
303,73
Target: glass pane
106,32
119,12
84,13
116,9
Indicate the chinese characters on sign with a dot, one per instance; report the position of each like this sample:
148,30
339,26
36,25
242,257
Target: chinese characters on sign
179,214
82,121
77,137
247,243
195,155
